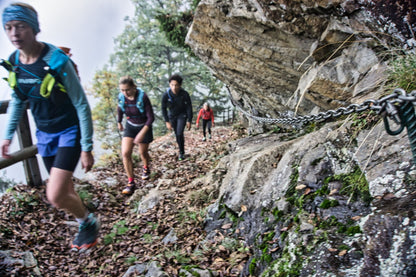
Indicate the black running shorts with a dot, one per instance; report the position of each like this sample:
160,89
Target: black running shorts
131,131
66,158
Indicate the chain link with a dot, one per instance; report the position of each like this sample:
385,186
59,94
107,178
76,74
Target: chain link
388,105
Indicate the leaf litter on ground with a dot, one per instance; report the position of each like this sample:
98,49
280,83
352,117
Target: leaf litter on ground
29,223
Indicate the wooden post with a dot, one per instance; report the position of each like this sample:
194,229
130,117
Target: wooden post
28,151
30,165
3,106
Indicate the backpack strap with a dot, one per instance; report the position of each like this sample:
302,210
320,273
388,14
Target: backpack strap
57,61
170,96
12,80
121,101
139,103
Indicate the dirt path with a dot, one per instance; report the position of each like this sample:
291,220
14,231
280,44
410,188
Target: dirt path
132,228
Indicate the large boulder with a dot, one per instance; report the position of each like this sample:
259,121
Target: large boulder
299,56
339,200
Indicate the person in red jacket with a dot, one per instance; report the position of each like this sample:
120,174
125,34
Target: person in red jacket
207,115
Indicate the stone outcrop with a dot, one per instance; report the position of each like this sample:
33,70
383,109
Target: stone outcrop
337,201
281,183
304,56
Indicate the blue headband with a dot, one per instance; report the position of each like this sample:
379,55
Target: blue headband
19,13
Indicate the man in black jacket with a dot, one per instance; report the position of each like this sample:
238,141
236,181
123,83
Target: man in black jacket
178,102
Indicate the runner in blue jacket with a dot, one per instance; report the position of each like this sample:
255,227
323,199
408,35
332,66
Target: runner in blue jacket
60,109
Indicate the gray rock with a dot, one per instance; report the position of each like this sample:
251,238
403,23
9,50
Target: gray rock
26,260
171,237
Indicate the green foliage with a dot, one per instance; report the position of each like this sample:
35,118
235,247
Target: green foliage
84,195
148,238
331,221
6,184
344,247
186,216
177,255
195,4
104,89
252,266
348,228
26,201
289,267
354,184
328,203
323,190
176,27
266,238
119,229
352,230
402,72
131,260
277,213
229,213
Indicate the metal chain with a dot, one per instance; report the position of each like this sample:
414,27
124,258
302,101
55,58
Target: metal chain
389,105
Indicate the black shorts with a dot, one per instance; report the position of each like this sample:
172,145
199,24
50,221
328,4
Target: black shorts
131,131
66,158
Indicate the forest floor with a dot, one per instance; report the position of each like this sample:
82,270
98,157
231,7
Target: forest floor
130,234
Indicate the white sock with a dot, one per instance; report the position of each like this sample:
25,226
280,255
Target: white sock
83,219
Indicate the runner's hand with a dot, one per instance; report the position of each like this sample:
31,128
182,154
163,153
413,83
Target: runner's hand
5,149
87,160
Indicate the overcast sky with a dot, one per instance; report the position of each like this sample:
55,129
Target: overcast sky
88,27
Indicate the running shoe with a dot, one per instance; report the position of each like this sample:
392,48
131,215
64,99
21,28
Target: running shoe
146,173
209,136
129,189
87,234
181,156
204,139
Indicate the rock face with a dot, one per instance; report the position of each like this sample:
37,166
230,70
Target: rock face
308,208
335,201
303,56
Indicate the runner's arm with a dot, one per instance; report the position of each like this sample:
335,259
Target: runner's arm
79,100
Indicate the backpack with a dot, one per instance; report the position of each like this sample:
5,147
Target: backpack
139,103
171,100
55,64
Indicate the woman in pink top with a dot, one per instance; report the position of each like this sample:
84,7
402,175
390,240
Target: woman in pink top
207,115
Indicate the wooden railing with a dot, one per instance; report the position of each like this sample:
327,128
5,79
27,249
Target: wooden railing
27,152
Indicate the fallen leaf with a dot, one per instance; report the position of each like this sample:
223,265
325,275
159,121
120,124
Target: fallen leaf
300,187
227,226
333,191
389,196
274,249
342,253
